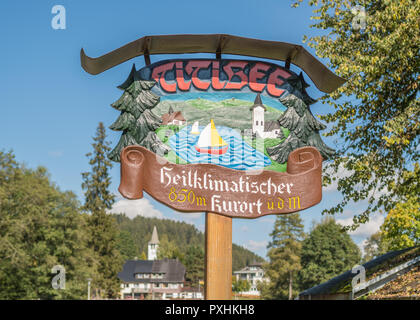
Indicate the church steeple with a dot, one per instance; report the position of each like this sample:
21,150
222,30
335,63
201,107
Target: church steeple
258,110
153,245
258,103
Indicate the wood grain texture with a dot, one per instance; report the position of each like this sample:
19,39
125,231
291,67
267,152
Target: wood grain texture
218,260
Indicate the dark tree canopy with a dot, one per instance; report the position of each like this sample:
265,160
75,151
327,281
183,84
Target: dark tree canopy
327,252
284,257
40,227
103,231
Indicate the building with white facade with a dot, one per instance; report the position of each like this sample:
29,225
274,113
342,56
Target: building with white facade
152,278
260,127
254,274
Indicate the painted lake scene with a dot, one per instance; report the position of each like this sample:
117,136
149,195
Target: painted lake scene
233,132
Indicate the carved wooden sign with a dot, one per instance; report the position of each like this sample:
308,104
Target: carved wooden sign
234,137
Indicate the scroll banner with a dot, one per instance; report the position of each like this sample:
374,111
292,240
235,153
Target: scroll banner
233,193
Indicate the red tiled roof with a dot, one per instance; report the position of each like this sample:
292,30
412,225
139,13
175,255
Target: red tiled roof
169,117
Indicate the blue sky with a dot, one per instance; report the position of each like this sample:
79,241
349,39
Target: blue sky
50,107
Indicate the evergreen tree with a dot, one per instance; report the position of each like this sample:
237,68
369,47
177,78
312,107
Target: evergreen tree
194,264
126,245
304,128
103,229
326,253
284,255
136,121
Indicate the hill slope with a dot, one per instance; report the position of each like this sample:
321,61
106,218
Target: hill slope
230,113
183,234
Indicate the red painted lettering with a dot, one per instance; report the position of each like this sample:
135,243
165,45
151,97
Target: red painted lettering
159,76
215,82
255,74
240,74
182,85
274,80
196,66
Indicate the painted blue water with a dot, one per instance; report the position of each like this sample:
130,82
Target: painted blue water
239,156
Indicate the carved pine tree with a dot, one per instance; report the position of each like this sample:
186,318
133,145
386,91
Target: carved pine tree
137,121
304,128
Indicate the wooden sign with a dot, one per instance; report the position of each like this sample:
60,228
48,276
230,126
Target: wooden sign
233,138
217,135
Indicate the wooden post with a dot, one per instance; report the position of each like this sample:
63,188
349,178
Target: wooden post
218,279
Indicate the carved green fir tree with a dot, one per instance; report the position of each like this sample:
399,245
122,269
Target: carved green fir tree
137,121
304,128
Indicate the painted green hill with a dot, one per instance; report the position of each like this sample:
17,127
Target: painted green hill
233,113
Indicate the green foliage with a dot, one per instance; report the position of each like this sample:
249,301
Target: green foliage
239,285
96,183
126,246
401,228
169,249
40,227
103,231
284,254
193,262
327,252
377,111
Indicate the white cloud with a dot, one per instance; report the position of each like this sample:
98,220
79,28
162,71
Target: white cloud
133,208
362,245
341,173
366,229
256,245
244,228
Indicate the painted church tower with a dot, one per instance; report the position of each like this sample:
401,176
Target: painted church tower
258,110
153,246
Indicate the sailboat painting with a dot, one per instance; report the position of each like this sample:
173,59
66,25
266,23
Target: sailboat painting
194,129
219,145
210,141
228,135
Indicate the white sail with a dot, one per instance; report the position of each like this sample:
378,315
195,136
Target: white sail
209,137
205,137
194,129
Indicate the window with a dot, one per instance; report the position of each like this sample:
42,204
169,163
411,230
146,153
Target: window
256,122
